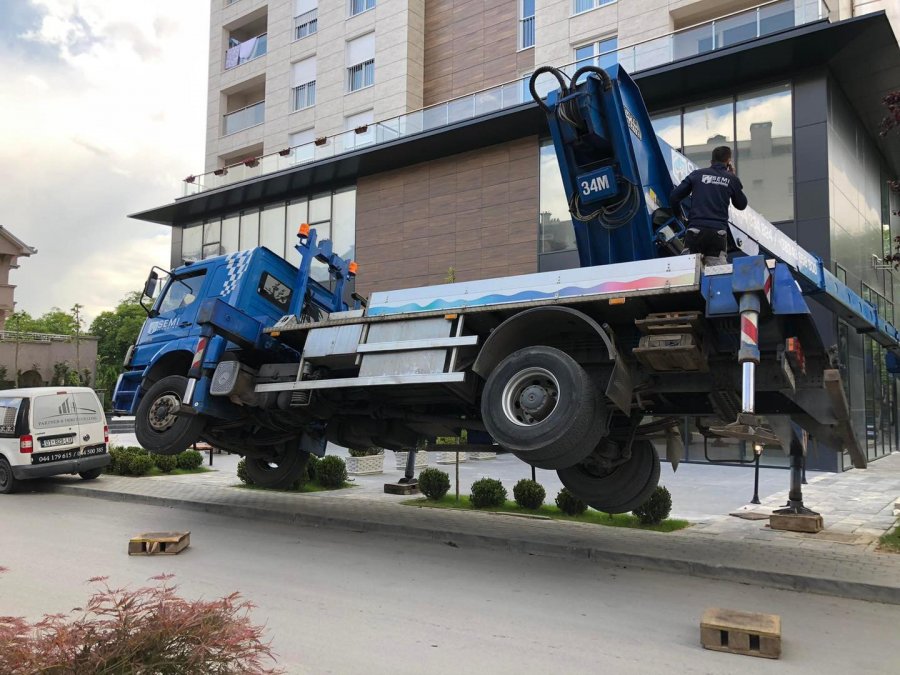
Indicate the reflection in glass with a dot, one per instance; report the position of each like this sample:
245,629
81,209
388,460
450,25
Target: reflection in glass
668,127
706,127
320,208
192,243
344,223
556,232
249,229
230,241
212,232
765,150
271,228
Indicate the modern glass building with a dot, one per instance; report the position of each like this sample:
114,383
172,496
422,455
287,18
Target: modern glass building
469,182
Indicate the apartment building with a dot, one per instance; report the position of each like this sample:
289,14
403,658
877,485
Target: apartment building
403,130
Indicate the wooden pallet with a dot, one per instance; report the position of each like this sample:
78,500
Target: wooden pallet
736,632
159,543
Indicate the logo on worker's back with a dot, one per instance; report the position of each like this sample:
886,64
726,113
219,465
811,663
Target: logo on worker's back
724,181
597,185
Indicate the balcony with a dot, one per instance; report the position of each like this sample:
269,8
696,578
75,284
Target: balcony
723,32
242,52
244,118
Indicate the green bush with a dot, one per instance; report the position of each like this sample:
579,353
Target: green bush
487,492
118,461
331,472
434,483
657,507
189,459
529,494
138,465
165,463
242,472
313,467
366,452
569,503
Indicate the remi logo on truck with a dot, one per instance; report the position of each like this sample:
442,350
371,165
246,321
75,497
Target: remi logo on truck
597,185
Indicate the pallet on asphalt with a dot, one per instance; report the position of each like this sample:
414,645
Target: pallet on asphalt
737,632
159,543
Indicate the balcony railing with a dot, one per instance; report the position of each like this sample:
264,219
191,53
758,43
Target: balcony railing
526,32
13,336
306,24
247,50
768,17
244,118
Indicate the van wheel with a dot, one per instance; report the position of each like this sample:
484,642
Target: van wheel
158,426
8,482
90,474
280,470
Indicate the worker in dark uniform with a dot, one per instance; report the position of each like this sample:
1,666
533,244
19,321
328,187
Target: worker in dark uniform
711,191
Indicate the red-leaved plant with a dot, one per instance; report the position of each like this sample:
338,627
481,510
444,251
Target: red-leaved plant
144,631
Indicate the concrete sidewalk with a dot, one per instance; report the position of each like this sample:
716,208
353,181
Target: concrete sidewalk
742,551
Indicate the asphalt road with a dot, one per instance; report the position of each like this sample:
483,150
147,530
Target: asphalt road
343,602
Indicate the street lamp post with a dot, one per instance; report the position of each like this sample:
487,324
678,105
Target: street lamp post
757,450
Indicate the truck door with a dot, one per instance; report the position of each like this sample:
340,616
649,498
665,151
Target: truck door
177,308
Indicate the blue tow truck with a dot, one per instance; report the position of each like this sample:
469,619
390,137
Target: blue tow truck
572,371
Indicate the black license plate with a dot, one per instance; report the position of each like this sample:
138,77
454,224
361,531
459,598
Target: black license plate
56,441
58,456
92,450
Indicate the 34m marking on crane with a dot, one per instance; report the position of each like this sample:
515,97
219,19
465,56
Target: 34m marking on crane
597,185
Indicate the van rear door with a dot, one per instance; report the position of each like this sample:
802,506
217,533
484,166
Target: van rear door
90,423
54,427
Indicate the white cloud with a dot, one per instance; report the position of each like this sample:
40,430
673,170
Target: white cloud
106,129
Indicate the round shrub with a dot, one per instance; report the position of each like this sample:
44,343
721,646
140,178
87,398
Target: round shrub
487,493
118,461
242,474
189,459
657,507
366,452
529,494
313,467
331,472
165,463
138,465
569,503
434,483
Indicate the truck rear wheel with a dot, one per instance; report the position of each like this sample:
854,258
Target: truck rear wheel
542,405
280,470
158,426
618,490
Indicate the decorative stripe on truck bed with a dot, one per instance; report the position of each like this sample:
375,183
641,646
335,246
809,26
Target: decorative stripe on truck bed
680,273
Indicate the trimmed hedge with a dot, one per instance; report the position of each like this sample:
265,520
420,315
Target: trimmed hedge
312,468
434,483
189,460
529,494
138,465
366,452
487,493
242,474
331,472
165,463
569,503
657,507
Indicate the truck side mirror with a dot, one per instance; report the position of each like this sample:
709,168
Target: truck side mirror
150,284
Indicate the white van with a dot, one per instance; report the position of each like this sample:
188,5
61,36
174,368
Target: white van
46,431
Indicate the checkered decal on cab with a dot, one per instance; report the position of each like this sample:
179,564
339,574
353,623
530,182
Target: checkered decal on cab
235,266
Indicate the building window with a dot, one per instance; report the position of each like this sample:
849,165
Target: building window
705,127
587,5
526,24
359,129
668,127
306,18
302,148
602,53
303,92
360,6
555,223
361,62
192,242
212,238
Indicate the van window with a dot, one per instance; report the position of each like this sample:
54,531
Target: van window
275,291
9,411
88,408
54,410
182,291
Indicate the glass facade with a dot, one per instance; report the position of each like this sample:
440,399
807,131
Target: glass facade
274,226
758,126
556,232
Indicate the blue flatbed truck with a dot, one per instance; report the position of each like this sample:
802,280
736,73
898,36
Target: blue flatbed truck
571,371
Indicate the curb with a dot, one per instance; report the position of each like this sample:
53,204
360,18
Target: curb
855,590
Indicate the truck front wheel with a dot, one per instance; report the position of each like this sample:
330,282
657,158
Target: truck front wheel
158,426
280,470
542,405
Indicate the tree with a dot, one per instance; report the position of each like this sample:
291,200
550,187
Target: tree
116,330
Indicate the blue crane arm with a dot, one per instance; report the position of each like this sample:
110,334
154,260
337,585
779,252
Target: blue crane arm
618,175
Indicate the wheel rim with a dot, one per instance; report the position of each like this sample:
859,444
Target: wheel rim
4,474
163,412
530,396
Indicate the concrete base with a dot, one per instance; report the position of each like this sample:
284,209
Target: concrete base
736,632
797,522
401,488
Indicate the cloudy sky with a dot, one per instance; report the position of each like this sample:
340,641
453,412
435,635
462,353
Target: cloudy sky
102,107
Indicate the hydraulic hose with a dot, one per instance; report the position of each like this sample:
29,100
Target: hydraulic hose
597,70
560,78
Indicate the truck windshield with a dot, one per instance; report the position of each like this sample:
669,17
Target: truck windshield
181,292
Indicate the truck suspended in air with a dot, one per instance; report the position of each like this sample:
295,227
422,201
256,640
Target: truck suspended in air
572,371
